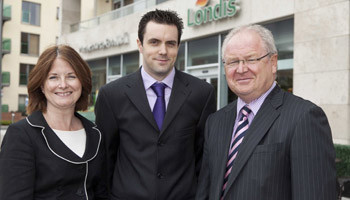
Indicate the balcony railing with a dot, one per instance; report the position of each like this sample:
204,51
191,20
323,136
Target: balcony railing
6,12
112,15
6,46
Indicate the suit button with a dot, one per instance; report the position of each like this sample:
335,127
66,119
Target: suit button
160,143
80,192
160,175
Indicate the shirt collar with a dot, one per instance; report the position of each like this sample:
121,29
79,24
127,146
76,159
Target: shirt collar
255,104
148,80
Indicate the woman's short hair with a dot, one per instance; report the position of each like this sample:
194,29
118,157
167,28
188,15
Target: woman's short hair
38,76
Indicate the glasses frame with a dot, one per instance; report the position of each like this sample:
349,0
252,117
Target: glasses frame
245,61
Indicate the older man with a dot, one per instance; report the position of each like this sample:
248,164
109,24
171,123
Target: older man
268,144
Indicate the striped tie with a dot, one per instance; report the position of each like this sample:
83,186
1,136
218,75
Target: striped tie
235,143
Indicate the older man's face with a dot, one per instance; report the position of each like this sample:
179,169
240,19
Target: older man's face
249,81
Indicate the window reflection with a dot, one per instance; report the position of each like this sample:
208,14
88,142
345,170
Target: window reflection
203,51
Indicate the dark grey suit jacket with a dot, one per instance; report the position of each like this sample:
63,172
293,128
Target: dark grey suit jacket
287,153
147,163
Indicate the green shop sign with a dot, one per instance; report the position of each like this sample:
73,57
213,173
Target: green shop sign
224,9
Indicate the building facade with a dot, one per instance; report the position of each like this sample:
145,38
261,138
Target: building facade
312,38
32,27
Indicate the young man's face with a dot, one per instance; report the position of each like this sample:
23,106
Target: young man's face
159,49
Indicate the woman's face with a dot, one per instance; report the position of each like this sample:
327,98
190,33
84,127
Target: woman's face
62,88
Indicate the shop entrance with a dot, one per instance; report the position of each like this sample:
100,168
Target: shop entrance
208,74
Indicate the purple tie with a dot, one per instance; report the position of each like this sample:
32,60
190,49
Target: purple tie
235,143
159,106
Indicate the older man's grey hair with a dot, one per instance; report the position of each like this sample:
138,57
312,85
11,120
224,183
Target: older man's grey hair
264,33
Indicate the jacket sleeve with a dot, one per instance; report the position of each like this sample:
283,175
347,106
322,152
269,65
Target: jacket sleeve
312,158
107,123
204,176
210,107
17,165
100,186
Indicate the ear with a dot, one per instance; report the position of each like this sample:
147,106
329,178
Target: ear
139,44
42,89
273,61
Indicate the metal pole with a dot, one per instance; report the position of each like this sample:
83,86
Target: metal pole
1,15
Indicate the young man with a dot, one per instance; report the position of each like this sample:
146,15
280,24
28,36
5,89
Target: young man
269,144
153,120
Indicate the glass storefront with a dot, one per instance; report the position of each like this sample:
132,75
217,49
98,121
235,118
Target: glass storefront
114,65
130,62
203,51
98,70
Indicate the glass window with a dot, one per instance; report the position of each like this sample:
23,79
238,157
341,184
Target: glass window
30,44
130,62
114,65
285,79
98,69
180,60
160,1
24,71
203,51
22,103
283,33
31,13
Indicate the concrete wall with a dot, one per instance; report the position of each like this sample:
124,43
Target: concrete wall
321,57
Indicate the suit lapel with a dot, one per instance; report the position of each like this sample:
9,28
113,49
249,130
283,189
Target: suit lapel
264,119
57,147
179,93
137,95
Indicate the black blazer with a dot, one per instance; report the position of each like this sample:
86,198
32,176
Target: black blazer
36,164
147,163
287,153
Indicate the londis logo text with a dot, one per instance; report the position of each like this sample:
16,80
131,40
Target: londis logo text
224,9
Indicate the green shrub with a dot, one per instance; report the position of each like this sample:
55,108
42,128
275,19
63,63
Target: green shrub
5,122
343,154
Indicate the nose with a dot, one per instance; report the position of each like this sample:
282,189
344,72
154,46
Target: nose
162,49
242,67
62,84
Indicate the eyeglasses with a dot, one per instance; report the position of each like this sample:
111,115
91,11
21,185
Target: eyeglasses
235,63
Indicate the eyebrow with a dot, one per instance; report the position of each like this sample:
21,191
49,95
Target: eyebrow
246,56
55,73
168,41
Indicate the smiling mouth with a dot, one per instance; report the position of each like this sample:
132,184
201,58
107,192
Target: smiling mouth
63,94
243,80
162,59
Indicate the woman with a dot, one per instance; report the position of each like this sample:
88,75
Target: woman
54,153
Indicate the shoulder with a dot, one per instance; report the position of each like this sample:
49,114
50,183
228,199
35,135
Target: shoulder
223,112
19,132
298,102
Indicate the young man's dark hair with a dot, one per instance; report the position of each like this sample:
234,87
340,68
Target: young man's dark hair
162,17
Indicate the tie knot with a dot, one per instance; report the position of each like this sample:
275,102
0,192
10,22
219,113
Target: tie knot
246,111
158,88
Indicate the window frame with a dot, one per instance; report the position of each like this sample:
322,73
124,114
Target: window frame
30,14
28,44
27,69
